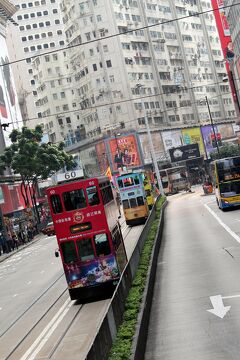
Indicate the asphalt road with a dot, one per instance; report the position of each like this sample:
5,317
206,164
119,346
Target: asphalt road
198,270
24,276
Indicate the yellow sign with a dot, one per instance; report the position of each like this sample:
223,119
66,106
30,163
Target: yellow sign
193,136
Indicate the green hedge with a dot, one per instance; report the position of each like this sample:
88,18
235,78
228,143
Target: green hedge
121,349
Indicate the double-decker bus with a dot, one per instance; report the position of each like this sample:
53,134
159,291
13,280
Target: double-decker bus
227,182
85,217
133,198
174,179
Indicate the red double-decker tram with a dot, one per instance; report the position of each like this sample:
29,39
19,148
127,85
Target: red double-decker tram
85,216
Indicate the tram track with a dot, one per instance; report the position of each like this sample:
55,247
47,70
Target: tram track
48,334
29,320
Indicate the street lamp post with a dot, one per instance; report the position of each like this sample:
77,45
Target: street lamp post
210,116
152,150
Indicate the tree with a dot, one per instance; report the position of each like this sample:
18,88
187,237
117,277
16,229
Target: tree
226,151
33,160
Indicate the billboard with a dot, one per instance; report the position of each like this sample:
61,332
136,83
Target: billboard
124,152
157,145
185,152
9,108
172,139
193,136
102,157
207,135
226,131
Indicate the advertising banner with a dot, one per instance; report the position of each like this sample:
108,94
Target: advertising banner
157,145
226,131
185,152
102,157
207,134
9,108
124,152
193,136
172,139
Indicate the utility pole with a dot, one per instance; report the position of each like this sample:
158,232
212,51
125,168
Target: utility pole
152,151
210,116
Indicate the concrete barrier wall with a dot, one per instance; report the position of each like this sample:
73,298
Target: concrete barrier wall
140,338
107,331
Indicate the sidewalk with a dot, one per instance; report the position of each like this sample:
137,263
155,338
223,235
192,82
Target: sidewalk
21,247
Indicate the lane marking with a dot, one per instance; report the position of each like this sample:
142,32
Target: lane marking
38,344
227,228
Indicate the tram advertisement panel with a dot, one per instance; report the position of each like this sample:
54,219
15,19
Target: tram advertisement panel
124,152
91,273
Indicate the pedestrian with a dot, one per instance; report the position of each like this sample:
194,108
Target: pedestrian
9,242
15,240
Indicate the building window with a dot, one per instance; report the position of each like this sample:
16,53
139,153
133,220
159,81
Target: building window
43,35
99,18
47,23
19,17
55,57
52,84
21,28
45,12
32,15
39,47
105,48
30,4
111,78
30,71
32,82
109,63
26,49
55,96
62,94
55,11
50,34
95,67
68,120
28,27
57,22
60,121
41,24
39,13
52,44
24,6
61,42
59,32
45,46
24,38
34,26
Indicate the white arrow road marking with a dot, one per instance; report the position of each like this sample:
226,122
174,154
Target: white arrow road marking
47,332
227,228
218,307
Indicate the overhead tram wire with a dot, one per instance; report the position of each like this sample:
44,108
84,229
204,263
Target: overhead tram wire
184,88
118,34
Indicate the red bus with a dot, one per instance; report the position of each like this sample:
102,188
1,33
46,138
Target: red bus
85,217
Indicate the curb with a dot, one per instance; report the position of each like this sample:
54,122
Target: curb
4,257
140,337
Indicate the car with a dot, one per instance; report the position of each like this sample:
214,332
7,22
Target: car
49,229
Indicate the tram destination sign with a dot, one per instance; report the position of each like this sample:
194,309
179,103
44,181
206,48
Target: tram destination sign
185,152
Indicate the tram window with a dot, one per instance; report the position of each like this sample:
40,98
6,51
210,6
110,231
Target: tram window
136,180
120,183
140,200
133,202
128,182
102,245
69,252
74,199
107,194
92,194
85,249
125,204
116,237
56,204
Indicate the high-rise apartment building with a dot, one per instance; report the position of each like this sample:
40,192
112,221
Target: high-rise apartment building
164,56
233,56
42,80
